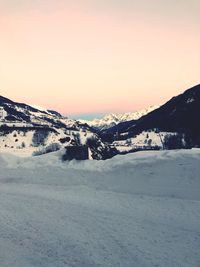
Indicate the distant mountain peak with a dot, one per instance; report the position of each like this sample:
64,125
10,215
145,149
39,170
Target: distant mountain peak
113,119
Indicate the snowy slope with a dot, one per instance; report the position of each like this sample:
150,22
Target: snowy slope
27,130
21,142
114,118
140,210
179,114
20,114
144,140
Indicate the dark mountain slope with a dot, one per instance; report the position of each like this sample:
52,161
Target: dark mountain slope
21,111
180,114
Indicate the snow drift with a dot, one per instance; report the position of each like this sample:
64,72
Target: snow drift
141,209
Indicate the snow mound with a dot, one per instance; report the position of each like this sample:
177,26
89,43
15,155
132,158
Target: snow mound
141,209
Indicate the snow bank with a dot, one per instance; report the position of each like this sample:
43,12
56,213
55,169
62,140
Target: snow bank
141,209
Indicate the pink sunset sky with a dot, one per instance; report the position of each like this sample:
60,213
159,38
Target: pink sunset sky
98,56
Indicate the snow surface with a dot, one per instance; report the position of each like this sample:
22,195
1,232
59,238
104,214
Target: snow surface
20,143
143,140
141,209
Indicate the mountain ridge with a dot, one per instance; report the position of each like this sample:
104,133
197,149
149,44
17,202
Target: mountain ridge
26,130
178,115
113,119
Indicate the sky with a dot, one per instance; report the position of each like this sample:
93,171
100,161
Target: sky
98,56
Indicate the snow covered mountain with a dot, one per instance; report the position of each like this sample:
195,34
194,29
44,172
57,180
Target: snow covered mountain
113,119
28,130
173,125
23,114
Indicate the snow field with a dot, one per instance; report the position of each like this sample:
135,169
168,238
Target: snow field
141,209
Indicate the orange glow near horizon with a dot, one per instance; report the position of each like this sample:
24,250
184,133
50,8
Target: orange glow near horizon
83,58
